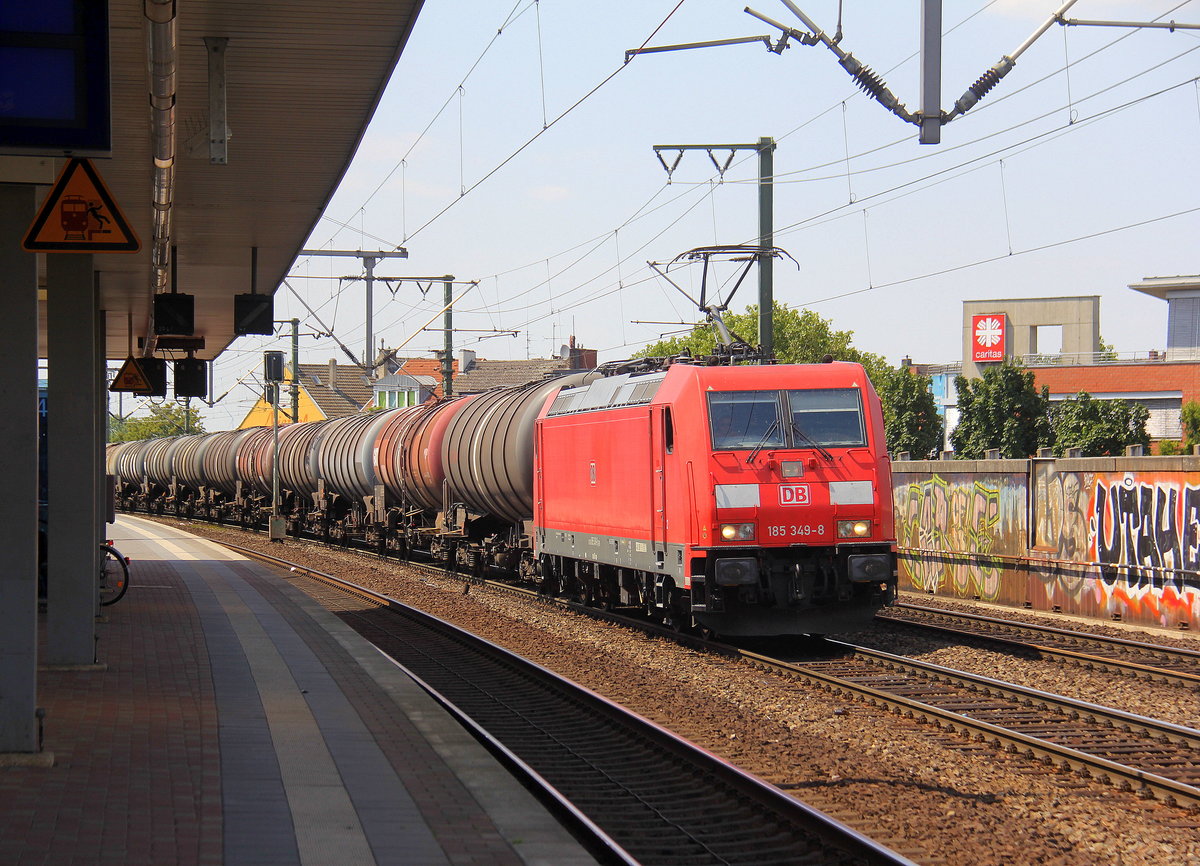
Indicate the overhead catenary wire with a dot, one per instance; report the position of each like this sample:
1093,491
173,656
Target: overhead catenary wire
913,184
622,283
598,294
992,259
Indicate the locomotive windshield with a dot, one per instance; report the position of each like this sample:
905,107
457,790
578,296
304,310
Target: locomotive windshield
819,417
830,416
745,419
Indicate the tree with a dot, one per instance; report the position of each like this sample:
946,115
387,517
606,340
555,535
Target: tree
165,419
1001,410
803,337
1189,417
1100,428
909,412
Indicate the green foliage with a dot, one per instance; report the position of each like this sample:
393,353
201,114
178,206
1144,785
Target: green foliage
1189,417
1101,428
1001,410
165,419
1169,448
909,412
803,337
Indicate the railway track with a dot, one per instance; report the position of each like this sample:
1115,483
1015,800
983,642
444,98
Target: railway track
1152,758
1135,753
1132,752
1100,652
645,794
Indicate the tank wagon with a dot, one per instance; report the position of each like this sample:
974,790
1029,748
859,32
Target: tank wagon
745,500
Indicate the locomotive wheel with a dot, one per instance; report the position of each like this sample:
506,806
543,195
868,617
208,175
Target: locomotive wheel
674,618
548,583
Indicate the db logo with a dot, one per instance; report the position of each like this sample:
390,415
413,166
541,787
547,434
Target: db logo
793,494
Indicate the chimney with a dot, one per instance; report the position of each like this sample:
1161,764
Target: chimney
466,360
583,359
332,383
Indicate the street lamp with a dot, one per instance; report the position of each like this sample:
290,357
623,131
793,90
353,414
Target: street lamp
273,374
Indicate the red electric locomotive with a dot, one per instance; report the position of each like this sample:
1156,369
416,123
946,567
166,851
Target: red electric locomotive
752,500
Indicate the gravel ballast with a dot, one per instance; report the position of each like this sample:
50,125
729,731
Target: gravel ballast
933,795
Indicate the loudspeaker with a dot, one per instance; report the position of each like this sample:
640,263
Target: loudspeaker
253,314
156,374
174,314
191,378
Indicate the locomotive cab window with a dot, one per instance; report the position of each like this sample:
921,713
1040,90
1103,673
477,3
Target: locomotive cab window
745,419
828,417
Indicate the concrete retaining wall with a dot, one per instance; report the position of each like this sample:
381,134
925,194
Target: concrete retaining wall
1111,538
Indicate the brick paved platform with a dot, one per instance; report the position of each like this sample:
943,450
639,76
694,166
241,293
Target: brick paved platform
236,721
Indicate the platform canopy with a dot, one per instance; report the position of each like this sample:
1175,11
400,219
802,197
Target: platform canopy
302,79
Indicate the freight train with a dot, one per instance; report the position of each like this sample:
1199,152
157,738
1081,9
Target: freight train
736,499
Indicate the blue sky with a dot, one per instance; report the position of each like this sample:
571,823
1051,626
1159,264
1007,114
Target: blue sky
1077,175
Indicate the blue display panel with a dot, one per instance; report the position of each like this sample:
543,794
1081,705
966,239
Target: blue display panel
54,78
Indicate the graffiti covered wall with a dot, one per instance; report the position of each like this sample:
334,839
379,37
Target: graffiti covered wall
1111,538
943,514
1138,532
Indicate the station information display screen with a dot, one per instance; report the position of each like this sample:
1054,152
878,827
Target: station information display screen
54,78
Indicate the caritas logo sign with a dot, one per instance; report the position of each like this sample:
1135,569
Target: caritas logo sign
987,337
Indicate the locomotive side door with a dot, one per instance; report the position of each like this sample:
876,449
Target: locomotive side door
661,444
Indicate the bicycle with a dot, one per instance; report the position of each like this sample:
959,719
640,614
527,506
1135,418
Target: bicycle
114,574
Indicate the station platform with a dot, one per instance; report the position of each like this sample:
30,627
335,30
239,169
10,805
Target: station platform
233,720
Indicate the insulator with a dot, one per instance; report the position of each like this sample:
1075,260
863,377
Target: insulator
870,82
985,83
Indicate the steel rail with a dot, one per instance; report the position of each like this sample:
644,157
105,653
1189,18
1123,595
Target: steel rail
1183,669
1116,773
798,832
1121,775
1125,776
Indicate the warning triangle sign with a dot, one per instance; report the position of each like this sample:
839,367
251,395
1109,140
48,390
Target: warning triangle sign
80,216
131,377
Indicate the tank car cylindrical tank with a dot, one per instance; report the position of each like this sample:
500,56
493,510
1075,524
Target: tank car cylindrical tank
131,461
186,459
487,450
341,454
158,465
294,470
220,460
248,468
386,447
112,458
413,463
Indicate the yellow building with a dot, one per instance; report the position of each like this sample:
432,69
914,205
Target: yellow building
326,391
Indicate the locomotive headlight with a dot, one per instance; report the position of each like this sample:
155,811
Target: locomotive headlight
737,531
853,528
